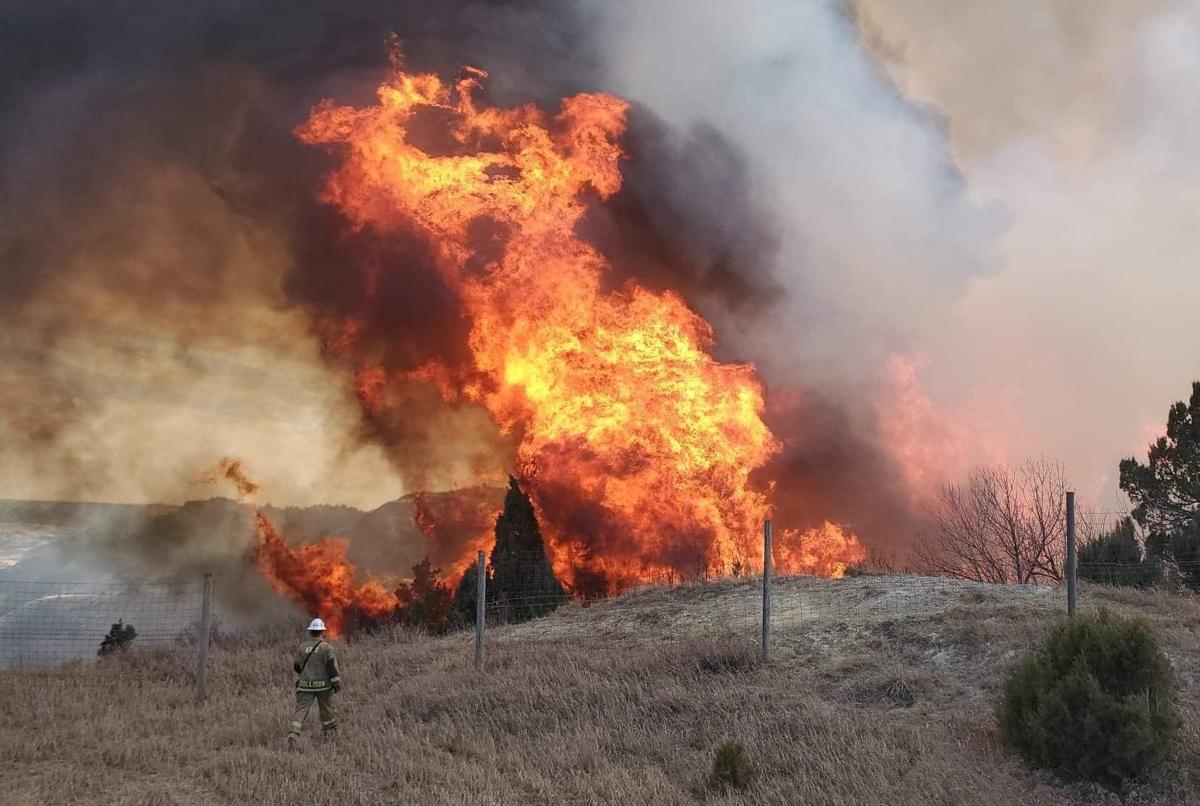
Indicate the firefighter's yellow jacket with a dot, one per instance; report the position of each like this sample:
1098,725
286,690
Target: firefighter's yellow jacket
316,666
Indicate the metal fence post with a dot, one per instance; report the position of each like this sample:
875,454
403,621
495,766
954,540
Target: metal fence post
766,607
1071,563
202,640
480,609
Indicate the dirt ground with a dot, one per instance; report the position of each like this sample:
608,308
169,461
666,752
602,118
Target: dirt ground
879,690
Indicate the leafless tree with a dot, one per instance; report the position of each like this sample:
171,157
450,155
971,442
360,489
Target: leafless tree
1003,524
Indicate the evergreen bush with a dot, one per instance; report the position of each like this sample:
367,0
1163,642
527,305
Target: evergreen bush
521,584
1095,701
1178,552
1115,558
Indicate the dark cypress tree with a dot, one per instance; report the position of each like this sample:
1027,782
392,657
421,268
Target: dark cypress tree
1115,558
1178,553
520,584
523,584
1166,489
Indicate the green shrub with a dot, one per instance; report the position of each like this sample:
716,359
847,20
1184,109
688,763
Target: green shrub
731,768
1095,701
1178,553
1115,558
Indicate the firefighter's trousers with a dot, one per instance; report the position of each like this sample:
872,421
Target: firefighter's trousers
324,701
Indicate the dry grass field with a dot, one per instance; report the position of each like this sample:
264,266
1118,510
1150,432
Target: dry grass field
880,691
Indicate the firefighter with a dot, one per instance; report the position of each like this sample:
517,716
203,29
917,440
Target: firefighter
317,680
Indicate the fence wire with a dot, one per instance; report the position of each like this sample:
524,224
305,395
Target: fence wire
1151,572
733,606
648,613
46,623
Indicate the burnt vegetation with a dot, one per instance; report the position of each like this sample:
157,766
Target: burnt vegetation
120,638
425,601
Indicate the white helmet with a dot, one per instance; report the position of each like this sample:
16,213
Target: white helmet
316,626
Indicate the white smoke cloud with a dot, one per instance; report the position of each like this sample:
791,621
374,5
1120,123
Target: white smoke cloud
1006,191
1093,151
1001,71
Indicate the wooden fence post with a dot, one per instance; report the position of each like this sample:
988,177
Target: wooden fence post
1071,560
202,640
766,606
480,609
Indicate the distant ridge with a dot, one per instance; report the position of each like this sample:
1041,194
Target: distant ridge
168,541
58,512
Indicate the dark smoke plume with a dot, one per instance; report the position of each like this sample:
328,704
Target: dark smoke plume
163,250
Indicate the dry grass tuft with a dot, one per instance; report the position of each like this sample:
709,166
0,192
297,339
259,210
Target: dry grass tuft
731,768
894,686
721,655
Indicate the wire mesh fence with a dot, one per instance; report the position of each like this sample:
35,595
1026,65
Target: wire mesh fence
686,609
681,608
47,623
1150,572
628,620
736,604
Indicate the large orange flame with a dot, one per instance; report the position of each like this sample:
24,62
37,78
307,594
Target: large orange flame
318,577
634,442
827,550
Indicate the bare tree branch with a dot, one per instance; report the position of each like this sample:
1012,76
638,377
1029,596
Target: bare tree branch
1003,524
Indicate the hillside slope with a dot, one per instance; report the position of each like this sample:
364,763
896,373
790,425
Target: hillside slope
879,691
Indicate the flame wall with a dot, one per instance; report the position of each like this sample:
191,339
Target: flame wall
636,445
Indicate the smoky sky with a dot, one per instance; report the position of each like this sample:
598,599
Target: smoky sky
88,92
104,106
100,101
